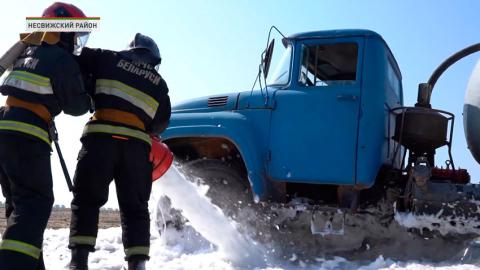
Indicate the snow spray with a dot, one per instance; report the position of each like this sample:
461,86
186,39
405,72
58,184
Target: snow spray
208,219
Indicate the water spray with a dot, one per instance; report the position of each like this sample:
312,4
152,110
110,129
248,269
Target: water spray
206,218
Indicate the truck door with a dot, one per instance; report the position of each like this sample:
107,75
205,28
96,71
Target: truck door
314,124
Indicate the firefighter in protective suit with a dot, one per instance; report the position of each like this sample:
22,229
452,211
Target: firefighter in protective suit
131,103
45,80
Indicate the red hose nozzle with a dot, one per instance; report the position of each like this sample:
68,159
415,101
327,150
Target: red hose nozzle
161,157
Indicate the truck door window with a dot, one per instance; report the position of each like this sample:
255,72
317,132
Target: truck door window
328,64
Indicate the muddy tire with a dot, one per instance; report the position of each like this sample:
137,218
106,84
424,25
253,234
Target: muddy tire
227,188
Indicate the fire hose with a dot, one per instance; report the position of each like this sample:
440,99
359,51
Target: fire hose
52,130
11,55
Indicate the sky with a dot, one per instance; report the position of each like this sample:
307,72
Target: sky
213,47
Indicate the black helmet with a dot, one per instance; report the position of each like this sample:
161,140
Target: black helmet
142,42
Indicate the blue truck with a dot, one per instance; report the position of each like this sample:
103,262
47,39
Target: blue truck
328,130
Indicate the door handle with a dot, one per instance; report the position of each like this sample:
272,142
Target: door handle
347,97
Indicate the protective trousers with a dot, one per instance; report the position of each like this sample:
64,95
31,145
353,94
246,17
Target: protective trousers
26,181
101,159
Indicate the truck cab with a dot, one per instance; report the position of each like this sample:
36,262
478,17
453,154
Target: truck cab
323,119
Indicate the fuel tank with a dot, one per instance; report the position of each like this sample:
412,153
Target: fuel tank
471,113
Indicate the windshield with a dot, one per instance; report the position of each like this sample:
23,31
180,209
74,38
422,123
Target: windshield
281,72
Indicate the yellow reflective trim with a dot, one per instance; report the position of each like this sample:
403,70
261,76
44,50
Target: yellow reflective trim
27,86
139,250
138,98
83,240
133,91
20,247
29,82
25,79
25,128
33,78
116,130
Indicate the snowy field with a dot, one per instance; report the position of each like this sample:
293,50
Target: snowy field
186,250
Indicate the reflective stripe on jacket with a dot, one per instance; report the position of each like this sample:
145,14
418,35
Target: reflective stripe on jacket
132,95
29,82
93,127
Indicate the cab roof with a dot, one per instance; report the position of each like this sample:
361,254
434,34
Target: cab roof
344,33
335,33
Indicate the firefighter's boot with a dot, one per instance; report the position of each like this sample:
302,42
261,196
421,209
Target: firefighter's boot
136,264
79,259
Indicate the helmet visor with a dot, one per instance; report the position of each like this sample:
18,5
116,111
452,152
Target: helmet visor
81,39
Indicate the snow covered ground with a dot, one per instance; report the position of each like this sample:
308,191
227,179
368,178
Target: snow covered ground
188,250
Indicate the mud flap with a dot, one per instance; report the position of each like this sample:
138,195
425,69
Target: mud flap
447,207
328,222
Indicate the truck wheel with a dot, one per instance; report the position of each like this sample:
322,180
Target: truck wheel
227,188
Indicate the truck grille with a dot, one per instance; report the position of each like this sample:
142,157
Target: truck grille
217,101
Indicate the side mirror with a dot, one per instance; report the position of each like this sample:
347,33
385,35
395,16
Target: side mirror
267,59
